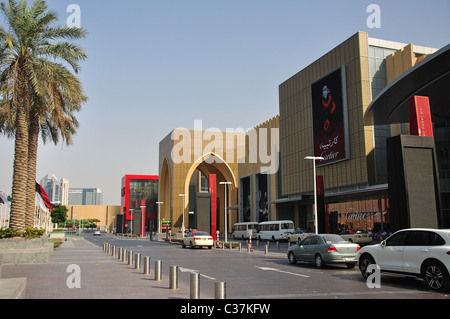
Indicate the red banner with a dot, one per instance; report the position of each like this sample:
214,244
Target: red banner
420,122
213,191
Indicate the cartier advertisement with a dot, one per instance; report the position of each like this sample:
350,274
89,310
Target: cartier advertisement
329,112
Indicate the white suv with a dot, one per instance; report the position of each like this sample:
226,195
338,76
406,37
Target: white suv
420,252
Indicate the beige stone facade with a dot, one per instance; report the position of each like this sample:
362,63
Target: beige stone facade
355,184
296,120
184,151
105,214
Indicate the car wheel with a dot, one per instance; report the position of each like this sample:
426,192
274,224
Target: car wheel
192,245
291,258
435,276
209,247
319,261
183,245
351,265
364,262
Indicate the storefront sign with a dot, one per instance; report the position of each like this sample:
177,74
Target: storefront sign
329,112
356,215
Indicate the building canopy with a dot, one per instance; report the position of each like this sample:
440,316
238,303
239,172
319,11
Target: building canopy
430,77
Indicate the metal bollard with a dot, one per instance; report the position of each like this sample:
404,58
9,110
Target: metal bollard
195,285
231,245
173,277
130,258
278,244
137,261
266,252
119,256
113,252
146,265
240,246
124,255
104,246
158,266
220,290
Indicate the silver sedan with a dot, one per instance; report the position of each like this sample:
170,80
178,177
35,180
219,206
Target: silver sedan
324,249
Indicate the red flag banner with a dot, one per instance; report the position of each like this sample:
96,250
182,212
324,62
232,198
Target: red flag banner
40,190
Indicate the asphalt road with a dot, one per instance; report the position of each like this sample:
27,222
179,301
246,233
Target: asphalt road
256,275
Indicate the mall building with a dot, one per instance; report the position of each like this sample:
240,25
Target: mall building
262,174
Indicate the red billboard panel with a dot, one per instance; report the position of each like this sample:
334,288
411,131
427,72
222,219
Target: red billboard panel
420,122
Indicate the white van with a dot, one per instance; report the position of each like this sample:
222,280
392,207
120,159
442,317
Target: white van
241,230
275,230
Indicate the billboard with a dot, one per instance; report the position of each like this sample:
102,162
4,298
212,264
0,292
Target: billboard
329,117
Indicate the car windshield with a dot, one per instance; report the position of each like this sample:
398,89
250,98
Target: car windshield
333,239
201,233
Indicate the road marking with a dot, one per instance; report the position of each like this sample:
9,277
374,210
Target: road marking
282,271
335,294
182,269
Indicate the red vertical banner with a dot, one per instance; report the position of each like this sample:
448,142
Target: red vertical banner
213,192
420,122
143,218
323,223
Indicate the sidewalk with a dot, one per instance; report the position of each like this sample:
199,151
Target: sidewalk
103,276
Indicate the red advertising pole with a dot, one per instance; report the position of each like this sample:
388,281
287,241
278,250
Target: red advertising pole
143,218
213,191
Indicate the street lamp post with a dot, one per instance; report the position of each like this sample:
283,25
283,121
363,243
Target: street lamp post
182,225
226,213
314,159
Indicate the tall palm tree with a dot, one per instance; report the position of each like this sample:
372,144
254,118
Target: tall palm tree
37,90
53,117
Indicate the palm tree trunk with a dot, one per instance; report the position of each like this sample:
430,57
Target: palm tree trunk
31,173
19,187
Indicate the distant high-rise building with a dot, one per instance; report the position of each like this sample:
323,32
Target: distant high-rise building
85,196
64,184
56,189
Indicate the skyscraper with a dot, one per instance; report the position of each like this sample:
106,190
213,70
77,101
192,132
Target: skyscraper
56,189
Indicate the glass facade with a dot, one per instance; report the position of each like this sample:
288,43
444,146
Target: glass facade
147,190
377,73
442,144
137,191
359,214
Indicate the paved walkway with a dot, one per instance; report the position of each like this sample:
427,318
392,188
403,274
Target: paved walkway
102,276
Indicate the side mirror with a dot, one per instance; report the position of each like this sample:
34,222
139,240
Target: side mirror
383,243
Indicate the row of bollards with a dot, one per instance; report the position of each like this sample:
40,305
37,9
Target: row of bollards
127,257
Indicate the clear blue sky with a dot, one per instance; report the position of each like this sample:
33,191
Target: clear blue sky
155,65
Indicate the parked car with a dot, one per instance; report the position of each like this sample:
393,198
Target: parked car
324,249
197,238
359,237
298,234
97,232
424,253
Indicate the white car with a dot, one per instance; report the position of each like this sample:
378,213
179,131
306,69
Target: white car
97,232
198,238
298,234
358,237
420,252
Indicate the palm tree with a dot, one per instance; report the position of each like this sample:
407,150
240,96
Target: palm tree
53,118
38,92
